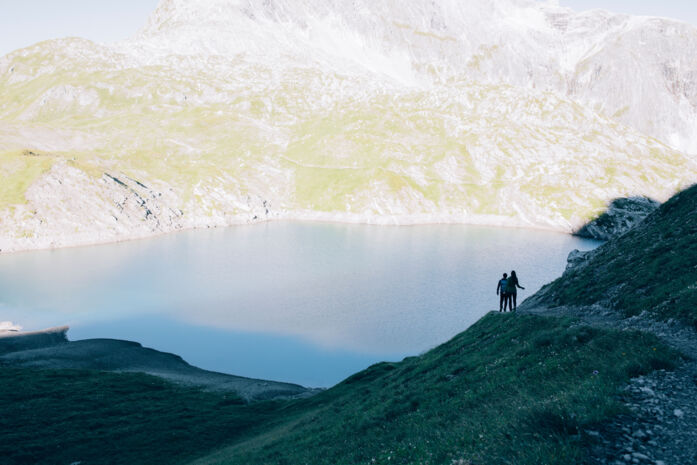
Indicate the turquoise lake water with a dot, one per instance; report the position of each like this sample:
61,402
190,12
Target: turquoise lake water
309,303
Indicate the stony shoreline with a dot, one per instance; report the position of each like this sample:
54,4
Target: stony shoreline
10,245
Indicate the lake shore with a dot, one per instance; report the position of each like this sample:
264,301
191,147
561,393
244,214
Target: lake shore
327,295
50,349
60,239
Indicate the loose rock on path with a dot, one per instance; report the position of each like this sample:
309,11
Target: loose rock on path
662,426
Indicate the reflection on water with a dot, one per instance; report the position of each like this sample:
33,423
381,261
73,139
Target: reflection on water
300,302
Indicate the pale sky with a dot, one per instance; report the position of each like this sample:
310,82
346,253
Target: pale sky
25,22
684,10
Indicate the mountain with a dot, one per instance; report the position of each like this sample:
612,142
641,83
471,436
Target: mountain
505,112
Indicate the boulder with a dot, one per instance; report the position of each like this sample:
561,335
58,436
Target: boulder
621,216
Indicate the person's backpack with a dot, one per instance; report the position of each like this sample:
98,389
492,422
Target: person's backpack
504,286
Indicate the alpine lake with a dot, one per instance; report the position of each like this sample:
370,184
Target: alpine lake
302,302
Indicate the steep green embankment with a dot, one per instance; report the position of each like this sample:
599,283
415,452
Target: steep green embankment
652,268
512,388
93,417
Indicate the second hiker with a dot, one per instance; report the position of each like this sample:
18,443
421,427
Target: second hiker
512,286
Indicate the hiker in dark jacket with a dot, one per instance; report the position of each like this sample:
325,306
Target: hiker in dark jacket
512,286
501,290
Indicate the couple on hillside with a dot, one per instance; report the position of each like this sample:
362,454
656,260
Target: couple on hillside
507,288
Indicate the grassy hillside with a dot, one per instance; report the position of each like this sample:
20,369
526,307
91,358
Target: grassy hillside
91,417
652,268
512,388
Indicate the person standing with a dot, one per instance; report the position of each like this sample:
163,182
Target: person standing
512,286
501,290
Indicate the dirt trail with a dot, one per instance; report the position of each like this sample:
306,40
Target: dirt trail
662,426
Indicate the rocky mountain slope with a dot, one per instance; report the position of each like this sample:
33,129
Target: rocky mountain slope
510,112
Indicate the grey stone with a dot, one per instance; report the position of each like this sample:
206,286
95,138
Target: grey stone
621,216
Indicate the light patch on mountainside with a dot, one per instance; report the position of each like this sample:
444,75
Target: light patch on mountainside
219,113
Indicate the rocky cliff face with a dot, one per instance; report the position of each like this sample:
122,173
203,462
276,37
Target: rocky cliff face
620,216
510,112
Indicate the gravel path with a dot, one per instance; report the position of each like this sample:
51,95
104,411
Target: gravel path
662,426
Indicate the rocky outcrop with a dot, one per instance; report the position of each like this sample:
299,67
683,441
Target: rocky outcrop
621,216
135,202
577,257
66,206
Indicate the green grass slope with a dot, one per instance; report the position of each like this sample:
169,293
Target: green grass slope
511,389
651,268
92,417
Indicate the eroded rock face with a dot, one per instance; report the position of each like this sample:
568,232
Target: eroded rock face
621,216
577,257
